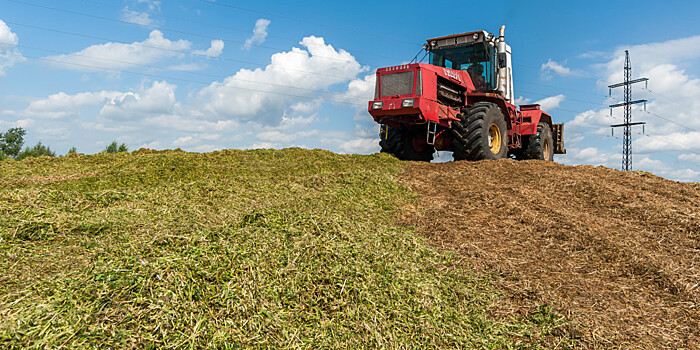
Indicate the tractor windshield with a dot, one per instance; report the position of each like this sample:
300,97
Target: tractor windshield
477,59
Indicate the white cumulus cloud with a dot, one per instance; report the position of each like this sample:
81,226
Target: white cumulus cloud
136,17
141,17
153,5
9,54
157,99
692,158
259,33
62,105
361,90
7,37
552,67
361,145
551,102
265,95
114,55
217,47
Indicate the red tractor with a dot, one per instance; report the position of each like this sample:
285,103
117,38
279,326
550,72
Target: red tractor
461,102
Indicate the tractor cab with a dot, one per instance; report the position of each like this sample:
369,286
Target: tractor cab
477,58
485,58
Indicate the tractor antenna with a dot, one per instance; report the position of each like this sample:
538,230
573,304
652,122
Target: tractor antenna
627,140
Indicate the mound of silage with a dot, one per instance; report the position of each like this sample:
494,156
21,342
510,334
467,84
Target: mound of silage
270,249
616,252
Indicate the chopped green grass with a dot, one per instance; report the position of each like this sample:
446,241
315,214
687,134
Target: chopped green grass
231,249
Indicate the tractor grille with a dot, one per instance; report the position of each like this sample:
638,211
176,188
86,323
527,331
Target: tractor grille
397,84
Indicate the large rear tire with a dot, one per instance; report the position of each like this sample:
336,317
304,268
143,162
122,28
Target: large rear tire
399,143
540,145
481,133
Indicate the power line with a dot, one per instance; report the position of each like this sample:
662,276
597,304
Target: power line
177,51
258,64
180,71
209,37
209,24
213,75
166,29
305,21
254,63
224,58
561,88
570,99
564,74
669,142
193,81
671,121
674,101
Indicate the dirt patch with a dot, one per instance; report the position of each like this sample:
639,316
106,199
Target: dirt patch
616,253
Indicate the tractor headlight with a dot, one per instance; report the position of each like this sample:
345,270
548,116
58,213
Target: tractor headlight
377,105
407,103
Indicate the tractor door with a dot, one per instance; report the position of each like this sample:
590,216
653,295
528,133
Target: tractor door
477,59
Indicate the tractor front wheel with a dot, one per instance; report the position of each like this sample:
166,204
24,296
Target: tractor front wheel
399,143
481,133
540,145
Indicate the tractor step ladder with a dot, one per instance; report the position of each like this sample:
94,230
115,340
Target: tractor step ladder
432,132
515,135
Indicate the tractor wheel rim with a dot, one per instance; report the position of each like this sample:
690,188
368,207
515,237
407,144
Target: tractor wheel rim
494,138
545,150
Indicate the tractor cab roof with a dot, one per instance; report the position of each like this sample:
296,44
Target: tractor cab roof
459,39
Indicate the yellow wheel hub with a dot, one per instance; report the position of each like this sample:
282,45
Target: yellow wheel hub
494,138
546,149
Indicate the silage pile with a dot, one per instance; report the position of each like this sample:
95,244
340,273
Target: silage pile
616,253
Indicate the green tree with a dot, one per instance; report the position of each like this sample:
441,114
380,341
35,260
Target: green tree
72,150
116,148
37,151
11,142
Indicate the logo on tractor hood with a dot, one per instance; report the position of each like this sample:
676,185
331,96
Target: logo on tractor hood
452,74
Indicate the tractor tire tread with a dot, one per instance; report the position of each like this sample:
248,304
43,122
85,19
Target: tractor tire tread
533,149
397,145
468,141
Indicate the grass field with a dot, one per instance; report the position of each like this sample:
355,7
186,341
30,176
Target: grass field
232,249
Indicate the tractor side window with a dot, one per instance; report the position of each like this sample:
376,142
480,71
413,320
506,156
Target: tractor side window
476,73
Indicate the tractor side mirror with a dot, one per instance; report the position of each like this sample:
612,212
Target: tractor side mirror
502,60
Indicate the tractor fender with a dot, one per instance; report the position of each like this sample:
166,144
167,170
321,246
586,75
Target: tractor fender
532,117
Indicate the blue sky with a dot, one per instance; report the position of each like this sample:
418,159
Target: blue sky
205,75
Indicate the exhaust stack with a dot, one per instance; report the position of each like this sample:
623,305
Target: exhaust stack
503,66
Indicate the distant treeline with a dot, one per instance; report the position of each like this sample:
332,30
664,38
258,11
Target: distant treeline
12,141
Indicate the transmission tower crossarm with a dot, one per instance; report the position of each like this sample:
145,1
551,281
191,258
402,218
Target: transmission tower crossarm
628,83
627,124
627,103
